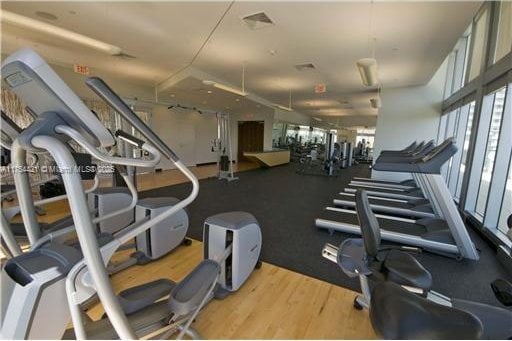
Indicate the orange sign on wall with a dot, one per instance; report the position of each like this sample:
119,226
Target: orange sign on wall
320,88
81,69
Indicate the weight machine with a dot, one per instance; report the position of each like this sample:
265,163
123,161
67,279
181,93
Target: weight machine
221,144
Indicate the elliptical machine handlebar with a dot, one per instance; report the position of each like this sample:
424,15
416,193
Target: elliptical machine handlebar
156,147
82,141
108,95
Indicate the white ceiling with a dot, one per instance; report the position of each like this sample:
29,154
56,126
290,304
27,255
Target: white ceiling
413,38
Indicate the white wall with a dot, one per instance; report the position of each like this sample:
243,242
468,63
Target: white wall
408,114
189,134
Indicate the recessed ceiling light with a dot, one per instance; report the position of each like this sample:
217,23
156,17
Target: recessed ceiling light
46,15
237,100
172,95
209,91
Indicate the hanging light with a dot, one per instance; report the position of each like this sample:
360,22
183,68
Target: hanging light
368,70
367,67
375,103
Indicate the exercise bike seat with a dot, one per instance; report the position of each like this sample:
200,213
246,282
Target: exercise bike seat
402,268
396,313
188,294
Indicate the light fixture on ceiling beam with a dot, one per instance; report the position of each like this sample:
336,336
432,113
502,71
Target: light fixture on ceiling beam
225,87
233,90
282,107
29,23
317,119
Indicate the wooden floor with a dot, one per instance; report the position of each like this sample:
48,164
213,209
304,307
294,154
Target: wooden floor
274,303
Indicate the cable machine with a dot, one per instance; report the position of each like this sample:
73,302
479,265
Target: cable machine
221,144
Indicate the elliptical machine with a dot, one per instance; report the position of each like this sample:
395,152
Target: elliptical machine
41,289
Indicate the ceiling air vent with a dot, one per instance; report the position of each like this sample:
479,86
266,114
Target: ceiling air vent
305,67
257,21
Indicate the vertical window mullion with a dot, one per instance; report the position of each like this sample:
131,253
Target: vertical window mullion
499,177
481,133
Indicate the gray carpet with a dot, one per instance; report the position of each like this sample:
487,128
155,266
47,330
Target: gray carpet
286,205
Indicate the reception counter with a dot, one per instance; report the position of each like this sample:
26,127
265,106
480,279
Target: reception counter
269,158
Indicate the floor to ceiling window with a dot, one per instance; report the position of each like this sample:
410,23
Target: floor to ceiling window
506,205
465,148
478,116
504,30
490,151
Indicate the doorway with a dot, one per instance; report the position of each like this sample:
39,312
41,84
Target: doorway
250,137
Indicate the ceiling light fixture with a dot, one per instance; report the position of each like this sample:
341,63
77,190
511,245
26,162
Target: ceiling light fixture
367,67
317,119
25,22
282,107
225,88
375,103
368,70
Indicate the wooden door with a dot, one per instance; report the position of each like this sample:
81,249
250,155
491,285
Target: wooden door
250,137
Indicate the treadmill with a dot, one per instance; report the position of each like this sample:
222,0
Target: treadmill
419,207
404,186
446,235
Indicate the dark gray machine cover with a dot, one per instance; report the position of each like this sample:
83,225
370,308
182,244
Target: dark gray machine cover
429,164
157,202
396,313
232,220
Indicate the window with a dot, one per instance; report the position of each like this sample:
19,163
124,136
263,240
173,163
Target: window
442,128
457,63
478,46
304,135
504,30
506,205
451,128
465,148
490,151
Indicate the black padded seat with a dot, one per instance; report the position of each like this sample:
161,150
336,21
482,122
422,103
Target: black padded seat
396,313
402,268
